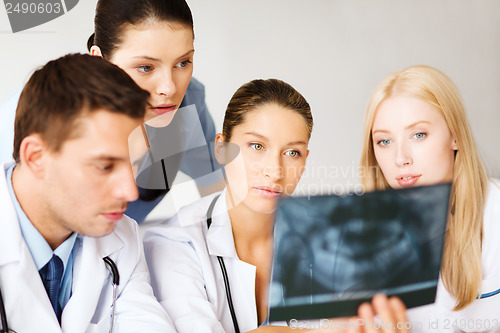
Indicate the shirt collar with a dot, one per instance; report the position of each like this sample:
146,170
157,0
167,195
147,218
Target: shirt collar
39,248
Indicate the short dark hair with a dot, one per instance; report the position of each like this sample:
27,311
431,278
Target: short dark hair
64,89
113,16
259,92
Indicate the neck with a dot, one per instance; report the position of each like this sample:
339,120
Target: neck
30,196
251,229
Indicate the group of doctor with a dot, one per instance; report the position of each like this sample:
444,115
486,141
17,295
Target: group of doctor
66,195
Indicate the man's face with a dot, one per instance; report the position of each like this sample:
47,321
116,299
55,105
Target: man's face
89,182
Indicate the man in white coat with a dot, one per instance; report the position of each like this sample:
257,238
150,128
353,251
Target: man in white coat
63,201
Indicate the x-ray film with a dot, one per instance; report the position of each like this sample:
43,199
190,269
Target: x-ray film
332,253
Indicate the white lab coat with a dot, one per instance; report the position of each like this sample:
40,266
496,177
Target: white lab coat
186,276
28,307
482,314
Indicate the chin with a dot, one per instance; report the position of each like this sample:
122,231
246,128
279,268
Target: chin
264,208
102,230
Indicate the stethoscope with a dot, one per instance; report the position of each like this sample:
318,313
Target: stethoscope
223,270
5,328
116,281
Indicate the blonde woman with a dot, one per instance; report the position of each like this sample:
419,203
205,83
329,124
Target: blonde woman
416,133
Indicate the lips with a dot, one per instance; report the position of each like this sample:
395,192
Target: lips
268,192
163,109
407,180
114,216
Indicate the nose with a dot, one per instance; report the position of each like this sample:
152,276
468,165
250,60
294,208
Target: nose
273,168
126,188
403,155
165,84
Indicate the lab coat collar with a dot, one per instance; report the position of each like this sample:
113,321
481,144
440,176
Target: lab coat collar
14,249
11,240
89,274
220,239
89,270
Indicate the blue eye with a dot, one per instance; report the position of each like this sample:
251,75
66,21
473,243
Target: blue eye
257,146
420,135
292,153
144,69
384,142
183,64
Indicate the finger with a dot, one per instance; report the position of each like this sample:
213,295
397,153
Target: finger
382,308
399,313
367,316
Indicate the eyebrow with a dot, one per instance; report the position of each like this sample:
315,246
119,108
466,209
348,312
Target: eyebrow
107,158
262,137
186,54
407,127
159,60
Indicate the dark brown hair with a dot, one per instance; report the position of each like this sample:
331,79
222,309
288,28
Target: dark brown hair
62,90
113,16
257,93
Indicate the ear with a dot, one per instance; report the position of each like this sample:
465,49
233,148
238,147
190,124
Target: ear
454,144
95,51
31,153
219,149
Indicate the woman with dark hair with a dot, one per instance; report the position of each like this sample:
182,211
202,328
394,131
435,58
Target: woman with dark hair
231,233
152,40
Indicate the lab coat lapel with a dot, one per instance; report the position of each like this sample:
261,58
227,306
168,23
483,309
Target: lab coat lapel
89,276
246,273
30,279
24,276
220,239
10,235
220,242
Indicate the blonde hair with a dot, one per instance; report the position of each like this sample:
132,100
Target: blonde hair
461,268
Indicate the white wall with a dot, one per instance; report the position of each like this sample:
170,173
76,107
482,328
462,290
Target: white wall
333,52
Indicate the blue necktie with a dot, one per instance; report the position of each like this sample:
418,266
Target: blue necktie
51,275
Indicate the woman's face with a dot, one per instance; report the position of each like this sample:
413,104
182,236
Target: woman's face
273,150
159,57
412,143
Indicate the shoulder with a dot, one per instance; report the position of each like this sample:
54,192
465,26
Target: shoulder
492,206
490,245
195,85
493,197
494,188
195,94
